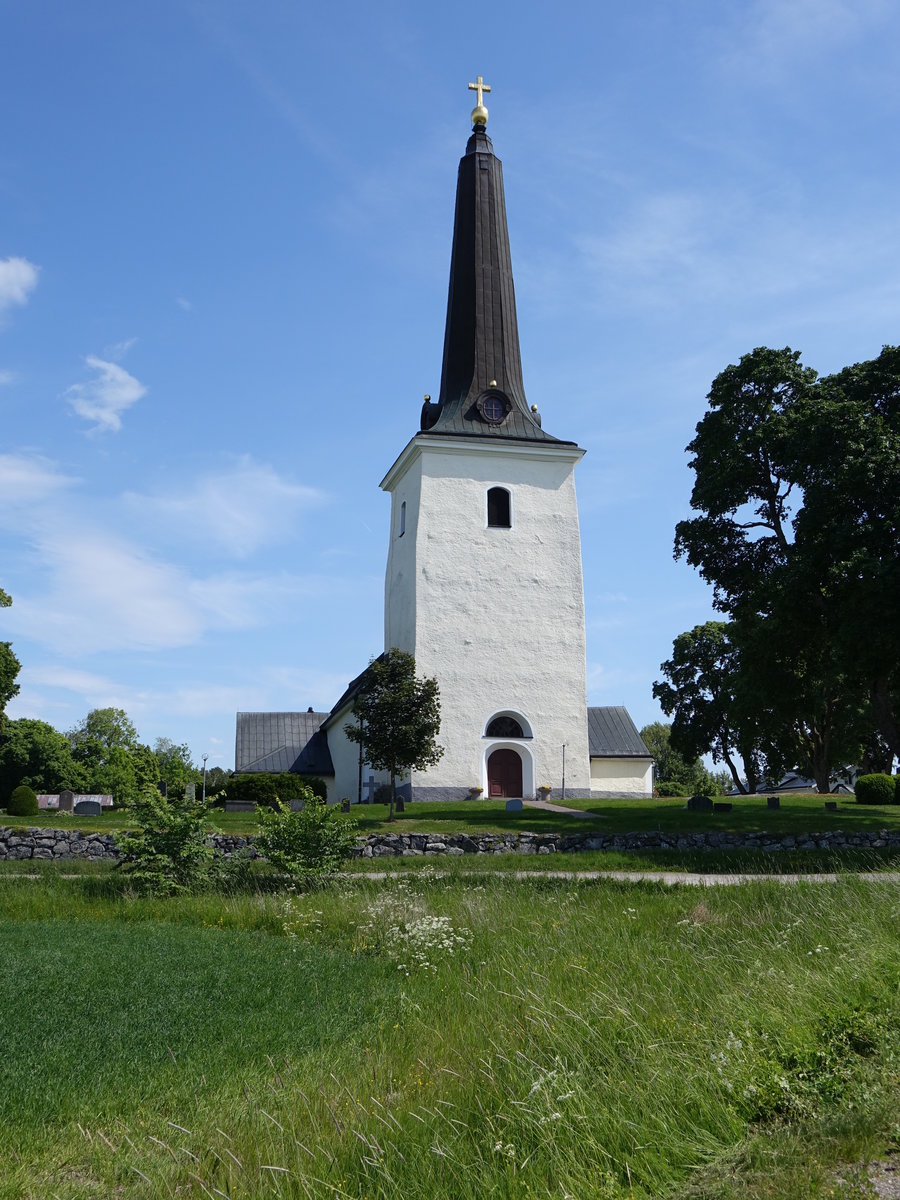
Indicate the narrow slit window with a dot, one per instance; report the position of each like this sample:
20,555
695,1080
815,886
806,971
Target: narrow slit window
498,508
402,519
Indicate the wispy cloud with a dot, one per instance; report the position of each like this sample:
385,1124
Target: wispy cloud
104,398
184,304
57,689
103,590
18,279
239,508
104,593
678,251
27,479
774,35
7,377
117,351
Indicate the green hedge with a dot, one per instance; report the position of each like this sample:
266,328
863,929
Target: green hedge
877,789
264,790
671,789
23,802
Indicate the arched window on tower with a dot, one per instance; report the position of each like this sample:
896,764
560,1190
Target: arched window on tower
402,519
505,727
498,508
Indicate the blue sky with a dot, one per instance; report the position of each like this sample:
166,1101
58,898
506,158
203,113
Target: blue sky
224,245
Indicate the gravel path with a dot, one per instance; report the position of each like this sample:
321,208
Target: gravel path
559,808
669,878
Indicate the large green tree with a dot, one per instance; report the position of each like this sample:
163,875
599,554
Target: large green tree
34,753
9,667
797,533
669,764
105,743
124,774
712,711
107,728
175,765
848,529
398,718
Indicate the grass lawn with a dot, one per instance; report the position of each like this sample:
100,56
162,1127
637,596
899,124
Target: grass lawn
446,1037
797,814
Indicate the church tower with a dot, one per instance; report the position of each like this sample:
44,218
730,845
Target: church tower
484,581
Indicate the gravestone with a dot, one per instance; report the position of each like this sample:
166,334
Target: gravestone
831,805
514,806
773,801
721,806
190,792
345,804
240,806
297,805
699,804
369,785
66,801
88,808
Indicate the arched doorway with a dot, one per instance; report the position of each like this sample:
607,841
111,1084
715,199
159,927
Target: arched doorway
504,771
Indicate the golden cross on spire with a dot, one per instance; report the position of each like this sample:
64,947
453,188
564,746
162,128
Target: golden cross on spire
479,112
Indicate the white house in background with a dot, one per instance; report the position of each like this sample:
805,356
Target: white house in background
483,583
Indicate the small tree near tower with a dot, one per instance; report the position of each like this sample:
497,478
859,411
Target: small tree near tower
398,718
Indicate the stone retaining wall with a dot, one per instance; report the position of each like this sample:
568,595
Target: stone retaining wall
30,842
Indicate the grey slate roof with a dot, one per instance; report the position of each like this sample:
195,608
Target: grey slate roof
296,741
613,734
481,339
282,741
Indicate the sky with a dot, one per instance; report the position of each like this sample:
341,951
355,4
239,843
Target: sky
224,250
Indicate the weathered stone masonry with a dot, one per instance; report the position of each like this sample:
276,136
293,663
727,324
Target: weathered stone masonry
24,843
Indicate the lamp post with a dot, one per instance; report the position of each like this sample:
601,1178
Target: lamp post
205,757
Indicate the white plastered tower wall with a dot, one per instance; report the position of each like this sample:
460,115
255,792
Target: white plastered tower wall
496,615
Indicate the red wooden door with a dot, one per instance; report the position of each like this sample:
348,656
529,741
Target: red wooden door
504,774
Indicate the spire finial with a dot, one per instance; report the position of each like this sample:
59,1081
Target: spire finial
479,112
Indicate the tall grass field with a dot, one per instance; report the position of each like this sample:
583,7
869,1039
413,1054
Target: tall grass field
447,1036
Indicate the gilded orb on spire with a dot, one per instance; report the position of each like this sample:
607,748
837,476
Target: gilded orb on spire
479,112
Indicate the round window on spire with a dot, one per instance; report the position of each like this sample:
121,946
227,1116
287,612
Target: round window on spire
493,407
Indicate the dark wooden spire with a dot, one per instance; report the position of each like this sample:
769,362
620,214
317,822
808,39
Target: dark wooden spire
482,392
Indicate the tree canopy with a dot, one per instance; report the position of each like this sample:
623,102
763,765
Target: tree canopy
175,765
34,753
107,727
669,764
400,718
101,754
9,667
706,691
797,493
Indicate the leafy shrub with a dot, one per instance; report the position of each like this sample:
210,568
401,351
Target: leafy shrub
876,789
671,789
167,853
309,843
705,785
267,790
23,802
